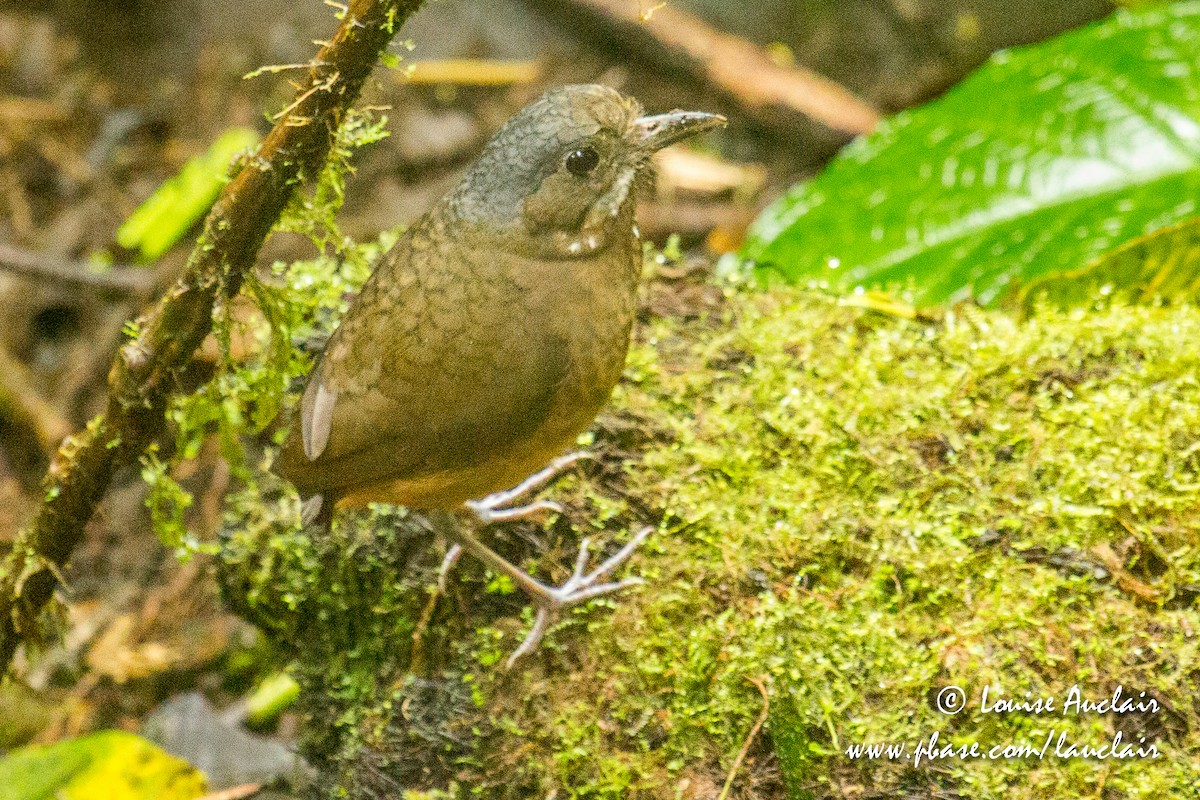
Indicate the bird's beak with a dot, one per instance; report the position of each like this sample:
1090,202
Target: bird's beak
656,132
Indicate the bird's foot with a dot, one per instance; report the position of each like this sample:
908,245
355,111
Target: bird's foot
549,601
497,507
581,586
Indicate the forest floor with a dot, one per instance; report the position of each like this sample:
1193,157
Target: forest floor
852,510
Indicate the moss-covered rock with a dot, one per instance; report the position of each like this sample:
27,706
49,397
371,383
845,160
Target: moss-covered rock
856,509
865,509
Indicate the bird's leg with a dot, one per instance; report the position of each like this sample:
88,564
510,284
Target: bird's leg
493,508
418,634
448,561
549,600
497,507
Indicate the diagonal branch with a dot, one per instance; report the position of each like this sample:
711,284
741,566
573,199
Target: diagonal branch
739,70
143,374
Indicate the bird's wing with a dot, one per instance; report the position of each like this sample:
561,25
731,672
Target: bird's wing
420,379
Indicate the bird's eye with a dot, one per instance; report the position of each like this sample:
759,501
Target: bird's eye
582,161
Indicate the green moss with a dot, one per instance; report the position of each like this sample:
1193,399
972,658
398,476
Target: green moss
858,509
863,509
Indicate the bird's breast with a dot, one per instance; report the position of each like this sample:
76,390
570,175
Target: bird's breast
526,352
583,308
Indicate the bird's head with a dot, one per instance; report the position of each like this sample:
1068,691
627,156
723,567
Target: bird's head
556,178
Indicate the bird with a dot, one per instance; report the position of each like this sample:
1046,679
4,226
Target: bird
490,336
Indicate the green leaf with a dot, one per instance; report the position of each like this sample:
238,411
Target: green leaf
177,205
1040,162
270,699
113,765
1165,264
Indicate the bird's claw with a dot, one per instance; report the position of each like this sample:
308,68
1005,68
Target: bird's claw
581,586
496,507
538,508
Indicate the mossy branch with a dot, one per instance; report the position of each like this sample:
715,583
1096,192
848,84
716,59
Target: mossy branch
142,377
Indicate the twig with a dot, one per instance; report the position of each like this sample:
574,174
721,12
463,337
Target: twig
17,199
741,756
235,792
471,72
1127,583
738,68
125,280
144,373
28,109
22,406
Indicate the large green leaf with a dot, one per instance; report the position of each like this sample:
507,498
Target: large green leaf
1165,264
1037,164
